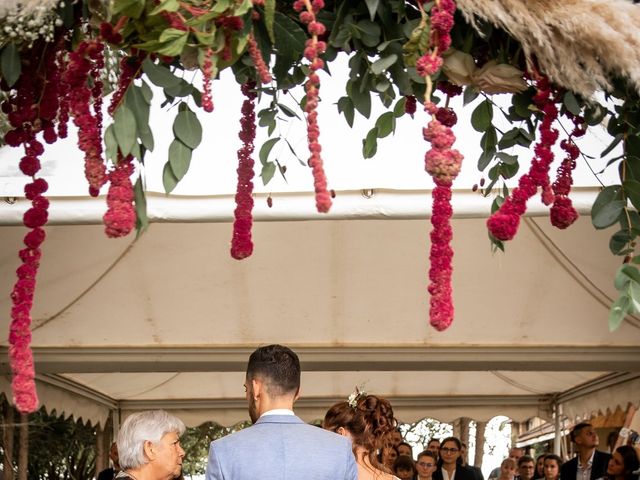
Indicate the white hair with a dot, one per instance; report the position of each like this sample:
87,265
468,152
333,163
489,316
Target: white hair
140,427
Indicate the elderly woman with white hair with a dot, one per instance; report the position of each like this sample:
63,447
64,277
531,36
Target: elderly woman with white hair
149,446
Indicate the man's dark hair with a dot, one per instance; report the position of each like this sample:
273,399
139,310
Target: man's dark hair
576,430
526,459
278,367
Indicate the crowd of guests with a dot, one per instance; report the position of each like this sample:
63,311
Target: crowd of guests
359,440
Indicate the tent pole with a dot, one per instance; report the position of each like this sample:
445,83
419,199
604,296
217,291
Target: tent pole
557,419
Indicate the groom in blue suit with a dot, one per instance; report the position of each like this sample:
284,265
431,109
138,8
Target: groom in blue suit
278,446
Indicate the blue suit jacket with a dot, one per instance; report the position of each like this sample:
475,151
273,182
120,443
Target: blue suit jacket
281,447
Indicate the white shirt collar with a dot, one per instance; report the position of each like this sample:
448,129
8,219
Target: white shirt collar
278,411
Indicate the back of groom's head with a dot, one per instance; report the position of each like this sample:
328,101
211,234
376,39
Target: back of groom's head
278,367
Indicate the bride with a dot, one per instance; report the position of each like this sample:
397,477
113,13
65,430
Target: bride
367,420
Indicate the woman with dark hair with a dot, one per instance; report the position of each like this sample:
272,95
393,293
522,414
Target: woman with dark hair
539,470
551,469
448,466
404,468
367,420
623,463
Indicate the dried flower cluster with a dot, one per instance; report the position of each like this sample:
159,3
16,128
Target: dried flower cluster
27,24
241,243
313,49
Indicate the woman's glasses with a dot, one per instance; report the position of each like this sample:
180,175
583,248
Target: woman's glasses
449,450
426,465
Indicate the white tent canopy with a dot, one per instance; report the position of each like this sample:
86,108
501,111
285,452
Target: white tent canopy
169,320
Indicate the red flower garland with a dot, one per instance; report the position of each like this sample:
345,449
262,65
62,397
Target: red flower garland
562,213
313,49
241,243
504,223
443,164
258,61
120,217
207,73
89,132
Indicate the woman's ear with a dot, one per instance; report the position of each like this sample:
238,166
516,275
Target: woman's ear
343,431
149,450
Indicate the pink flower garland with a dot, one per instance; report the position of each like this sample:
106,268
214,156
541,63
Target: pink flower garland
504,223
20,354
241,243
443,164
313,49
120,217
207,73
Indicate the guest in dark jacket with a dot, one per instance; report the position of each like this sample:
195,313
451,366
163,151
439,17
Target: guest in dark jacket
448,466
589,463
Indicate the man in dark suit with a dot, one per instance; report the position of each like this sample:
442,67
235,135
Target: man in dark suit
279,445
589,463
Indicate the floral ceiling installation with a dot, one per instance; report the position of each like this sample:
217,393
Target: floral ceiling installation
559,62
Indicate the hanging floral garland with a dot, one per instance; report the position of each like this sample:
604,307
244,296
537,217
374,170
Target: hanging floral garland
53,67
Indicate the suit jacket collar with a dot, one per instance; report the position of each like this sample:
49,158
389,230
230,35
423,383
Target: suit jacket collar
278,419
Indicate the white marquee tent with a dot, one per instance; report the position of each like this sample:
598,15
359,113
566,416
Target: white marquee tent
169,320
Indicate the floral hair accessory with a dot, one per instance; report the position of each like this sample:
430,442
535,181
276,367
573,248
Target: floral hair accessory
355,396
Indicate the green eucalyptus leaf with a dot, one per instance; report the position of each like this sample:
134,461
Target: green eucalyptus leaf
626,273
360,97
266,148
129,8
142,219
169,180
166,6
370,143
386,124
399,108
187,128
179,158
618,311
469,95
607,207
632,190
383,63
507,159
159,75
124,129
345,106
619,242
268,170
287,111
571,103
290,38
369,32
10,64
174,46
111,144
482,116
614,143
269,17
633,291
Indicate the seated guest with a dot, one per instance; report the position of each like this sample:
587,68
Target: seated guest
367,420
404,448
387,456
426,464
526,468
404,468
448,466
149,446
433,445
552,464
463,461
623,464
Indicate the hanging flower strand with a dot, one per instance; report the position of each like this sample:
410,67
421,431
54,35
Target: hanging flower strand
504,223
313,49
563,213
443,164
241,243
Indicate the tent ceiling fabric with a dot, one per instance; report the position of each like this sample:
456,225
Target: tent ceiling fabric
169,320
